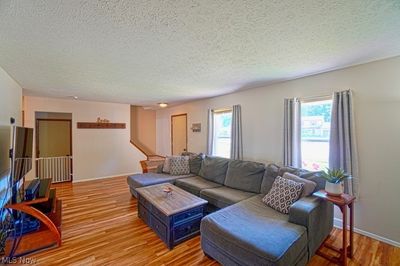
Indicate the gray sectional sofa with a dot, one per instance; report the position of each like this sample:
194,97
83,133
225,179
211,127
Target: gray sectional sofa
241,229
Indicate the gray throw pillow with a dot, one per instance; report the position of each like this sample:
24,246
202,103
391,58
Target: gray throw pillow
179,165
309,186
283,194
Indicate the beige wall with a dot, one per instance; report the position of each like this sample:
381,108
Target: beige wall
96,152
10,100
143,129
376,88
10,106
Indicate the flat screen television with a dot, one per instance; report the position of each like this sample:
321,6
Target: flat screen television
5,162
22,153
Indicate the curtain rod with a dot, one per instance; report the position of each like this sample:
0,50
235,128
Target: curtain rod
319,96
315,97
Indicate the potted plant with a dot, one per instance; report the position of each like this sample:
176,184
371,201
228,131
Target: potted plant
334,178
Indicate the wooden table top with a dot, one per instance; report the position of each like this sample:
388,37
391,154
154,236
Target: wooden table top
179,200
343,199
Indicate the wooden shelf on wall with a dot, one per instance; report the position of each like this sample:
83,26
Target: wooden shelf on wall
100,125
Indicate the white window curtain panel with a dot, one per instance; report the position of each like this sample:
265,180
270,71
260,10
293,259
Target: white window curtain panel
342,144
210,135
292,133
236,133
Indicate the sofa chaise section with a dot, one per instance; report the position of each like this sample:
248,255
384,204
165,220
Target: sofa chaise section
142,180
251,233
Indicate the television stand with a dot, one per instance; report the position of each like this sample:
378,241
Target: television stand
48,210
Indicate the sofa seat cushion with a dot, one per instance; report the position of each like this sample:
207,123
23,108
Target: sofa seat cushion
195,184
252,233
147,179
222,197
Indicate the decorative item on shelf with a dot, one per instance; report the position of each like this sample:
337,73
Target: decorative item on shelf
101,123
196,127
167,191
99,120
334,181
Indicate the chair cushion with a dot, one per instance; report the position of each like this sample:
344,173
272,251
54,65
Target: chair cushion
147,179
195,184
254,234
222,197
214,169
244,175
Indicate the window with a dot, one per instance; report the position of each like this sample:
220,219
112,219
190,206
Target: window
222,133
315,131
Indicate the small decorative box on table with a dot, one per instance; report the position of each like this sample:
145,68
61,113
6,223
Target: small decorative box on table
343,201
175,216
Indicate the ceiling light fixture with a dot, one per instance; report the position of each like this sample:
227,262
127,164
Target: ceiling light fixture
163,105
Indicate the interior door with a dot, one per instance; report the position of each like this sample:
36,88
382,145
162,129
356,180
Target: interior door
178,134
54,138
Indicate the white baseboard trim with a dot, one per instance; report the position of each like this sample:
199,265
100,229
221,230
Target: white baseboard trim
102,177
338,224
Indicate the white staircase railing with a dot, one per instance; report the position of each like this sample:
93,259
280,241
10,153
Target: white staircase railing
59,169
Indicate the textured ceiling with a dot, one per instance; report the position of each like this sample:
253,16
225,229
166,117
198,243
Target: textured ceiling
144,52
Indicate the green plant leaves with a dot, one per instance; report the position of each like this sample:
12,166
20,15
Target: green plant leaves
334,175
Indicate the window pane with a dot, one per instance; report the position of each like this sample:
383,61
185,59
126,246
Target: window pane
222,134
315,131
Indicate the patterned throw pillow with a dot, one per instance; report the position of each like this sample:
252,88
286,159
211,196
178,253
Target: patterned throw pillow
283,194
167,163
179,165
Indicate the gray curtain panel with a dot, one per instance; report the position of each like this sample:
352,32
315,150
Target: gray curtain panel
342,145
292,133
210,134
236,133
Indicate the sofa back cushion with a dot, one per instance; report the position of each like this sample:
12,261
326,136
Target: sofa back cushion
315,177
271,172
292,170
195,161
243,175
214,169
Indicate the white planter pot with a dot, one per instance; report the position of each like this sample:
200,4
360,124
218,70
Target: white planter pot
334,189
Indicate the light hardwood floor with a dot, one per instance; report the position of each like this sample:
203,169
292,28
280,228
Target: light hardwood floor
101,227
